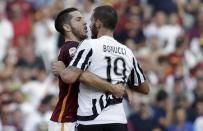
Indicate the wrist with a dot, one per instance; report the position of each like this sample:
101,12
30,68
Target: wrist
113,89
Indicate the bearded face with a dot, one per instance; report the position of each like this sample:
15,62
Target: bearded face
78,25
93,28
78,33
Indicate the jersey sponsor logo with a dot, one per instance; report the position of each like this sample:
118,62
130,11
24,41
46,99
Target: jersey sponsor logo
72,51
114,49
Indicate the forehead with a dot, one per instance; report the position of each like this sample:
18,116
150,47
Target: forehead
76,14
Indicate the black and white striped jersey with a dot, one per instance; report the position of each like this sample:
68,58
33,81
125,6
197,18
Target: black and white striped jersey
110,60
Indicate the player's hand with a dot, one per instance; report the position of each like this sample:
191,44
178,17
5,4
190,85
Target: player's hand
119,90
58,67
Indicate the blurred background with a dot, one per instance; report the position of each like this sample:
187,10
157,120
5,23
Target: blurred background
166,37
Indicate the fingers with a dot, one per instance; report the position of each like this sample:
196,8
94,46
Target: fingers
120,91
57,67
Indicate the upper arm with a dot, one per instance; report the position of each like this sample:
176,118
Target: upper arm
137,80
137,76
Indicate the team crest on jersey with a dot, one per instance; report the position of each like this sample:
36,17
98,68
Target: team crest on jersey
72,51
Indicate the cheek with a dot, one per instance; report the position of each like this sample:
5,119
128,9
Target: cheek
77,27
77,24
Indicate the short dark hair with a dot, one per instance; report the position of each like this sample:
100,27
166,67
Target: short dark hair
62,17
107,15
161,95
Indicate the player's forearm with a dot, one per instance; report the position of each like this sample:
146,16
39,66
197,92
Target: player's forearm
70,75
96,82
142,88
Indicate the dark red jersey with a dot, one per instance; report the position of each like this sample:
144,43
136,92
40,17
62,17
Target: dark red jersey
66,108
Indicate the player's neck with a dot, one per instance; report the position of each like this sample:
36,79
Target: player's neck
71,38
105,32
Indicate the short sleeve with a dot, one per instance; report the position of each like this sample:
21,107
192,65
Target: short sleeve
83,56
136,76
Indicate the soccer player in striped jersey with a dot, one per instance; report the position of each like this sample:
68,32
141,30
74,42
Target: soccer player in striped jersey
110,60
71,25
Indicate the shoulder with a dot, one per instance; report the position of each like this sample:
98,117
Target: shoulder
69,45
69,48
123,46
87,43
129,51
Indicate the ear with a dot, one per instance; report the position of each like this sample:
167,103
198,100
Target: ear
98,24
67,28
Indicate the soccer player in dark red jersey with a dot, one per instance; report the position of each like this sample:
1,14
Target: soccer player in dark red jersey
71,25
111,60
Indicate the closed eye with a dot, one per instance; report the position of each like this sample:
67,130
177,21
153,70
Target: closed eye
78,18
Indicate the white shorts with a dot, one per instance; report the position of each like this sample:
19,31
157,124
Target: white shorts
55,126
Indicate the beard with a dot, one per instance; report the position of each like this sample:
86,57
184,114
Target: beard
78,34
94,31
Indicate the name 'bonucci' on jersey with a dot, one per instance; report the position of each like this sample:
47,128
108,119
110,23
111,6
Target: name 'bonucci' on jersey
114,62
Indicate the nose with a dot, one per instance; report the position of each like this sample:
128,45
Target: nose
85,23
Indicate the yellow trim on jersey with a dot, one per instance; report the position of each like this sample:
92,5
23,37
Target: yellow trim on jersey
64,105
62,127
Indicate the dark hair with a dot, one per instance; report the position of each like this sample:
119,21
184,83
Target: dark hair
161,95
62,17
46,100
180,41
107,15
